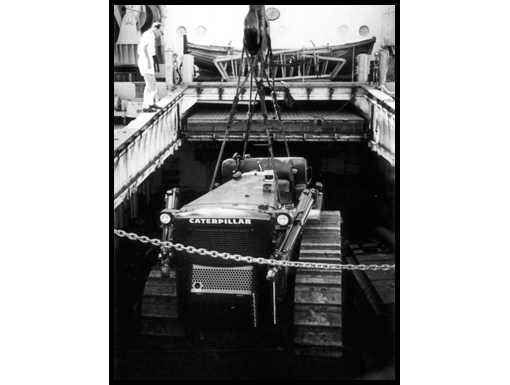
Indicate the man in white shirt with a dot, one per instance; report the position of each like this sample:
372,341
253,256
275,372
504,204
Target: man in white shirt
146,51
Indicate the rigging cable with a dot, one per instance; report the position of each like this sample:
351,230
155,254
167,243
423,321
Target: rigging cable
229,123
250,116
276,106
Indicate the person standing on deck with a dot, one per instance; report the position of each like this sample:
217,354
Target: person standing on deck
146,51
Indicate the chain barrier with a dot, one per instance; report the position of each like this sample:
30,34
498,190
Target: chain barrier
239,258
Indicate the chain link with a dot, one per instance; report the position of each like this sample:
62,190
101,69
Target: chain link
240,258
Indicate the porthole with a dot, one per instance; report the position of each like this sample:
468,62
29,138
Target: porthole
272,14
181,31
343,30
201,31
364,30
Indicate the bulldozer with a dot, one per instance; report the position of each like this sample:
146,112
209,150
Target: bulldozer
264,211
225,268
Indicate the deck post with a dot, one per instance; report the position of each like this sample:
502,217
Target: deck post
187,68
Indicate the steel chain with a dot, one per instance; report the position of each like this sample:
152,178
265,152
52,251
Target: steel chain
240,258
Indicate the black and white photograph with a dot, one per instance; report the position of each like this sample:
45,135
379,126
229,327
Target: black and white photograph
268,214
254,192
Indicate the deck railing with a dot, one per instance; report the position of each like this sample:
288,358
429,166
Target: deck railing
383,141
379,109
144,144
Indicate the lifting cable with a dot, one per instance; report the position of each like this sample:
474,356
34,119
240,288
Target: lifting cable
250,116
276,106
231,118
261,94
262,98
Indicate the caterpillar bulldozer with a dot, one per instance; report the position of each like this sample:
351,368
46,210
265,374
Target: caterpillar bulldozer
264,211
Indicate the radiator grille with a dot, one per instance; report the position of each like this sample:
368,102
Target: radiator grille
222,280
245,242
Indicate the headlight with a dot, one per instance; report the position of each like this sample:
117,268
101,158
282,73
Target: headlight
283,219
165,218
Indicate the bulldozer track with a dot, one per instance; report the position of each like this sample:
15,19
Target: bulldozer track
159,314
318,293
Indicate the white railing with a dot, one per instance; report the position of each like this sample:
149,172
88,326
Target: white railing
383,141
144,144
379,109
